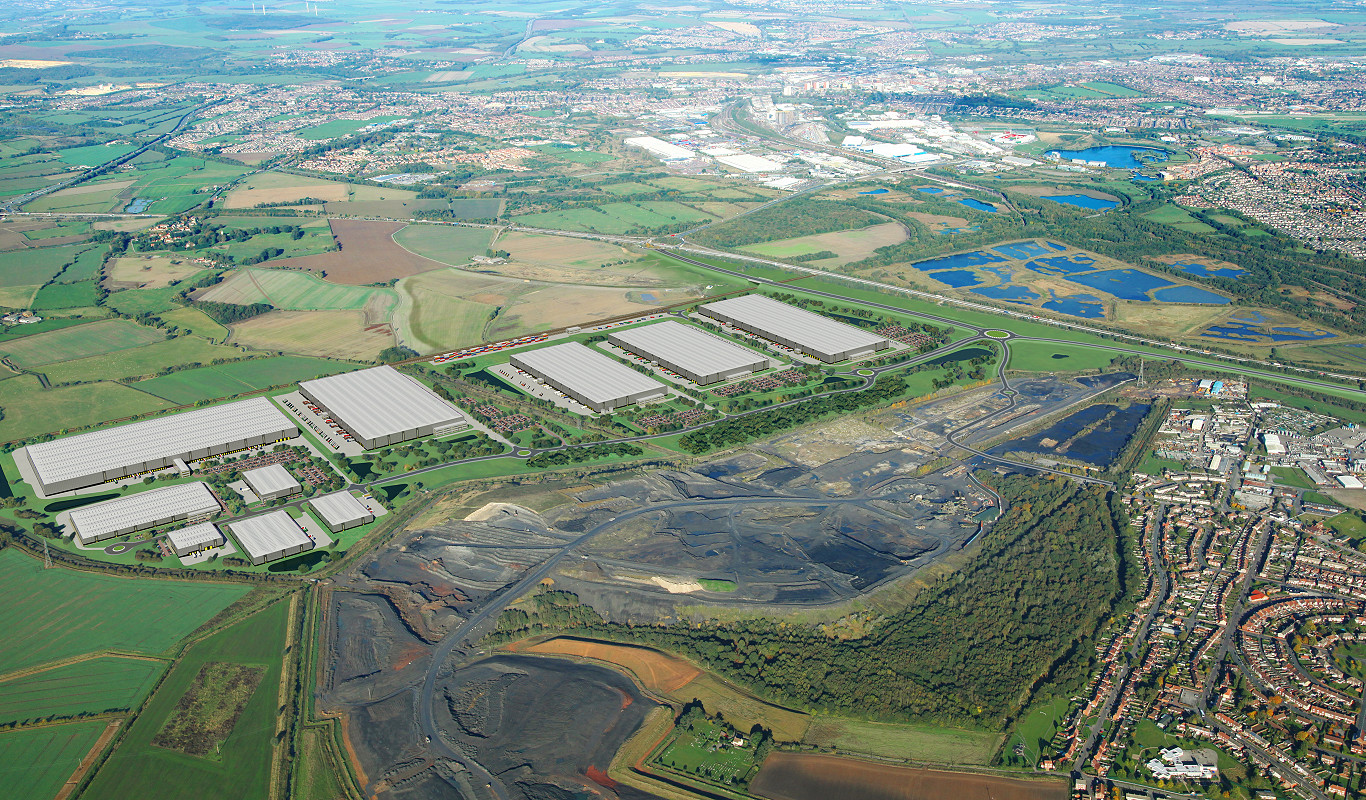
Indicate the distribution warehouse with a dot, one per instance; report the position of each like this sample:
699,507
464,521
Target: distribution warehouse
341,510
271,482
382,406
596,380
699,356
187,501
802,330
270,536
193,538
91,458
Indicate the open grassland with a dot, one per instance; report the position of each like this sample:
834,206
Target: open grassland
922,743
35,763
59,613
562,306
82,294
37,266
329,334
1053,357
94,155
316,776
85,687
149,272
136,362
226,380
368,255
848,246
194,321
143,301
1177,217
449,244
94,339
209,709
31,410
96,197
238,766
1167,319
289,290
278,187
617,217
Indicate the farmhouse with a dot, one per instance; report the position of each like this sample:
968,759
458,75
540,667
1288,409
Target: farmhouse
87,459
193,538
341,510
797,328
382,406
699,356
270,536
596,380
187,501
271,482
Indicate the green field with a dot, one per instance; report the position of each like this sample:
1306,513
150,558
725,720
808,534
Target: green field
143,301
36,763
1153,465
1179,218
694,750
448,244
31,410
917,742
240,768
87,264
90,687
192,320
226,380
1292,476
1349,525
1042,357
59,613
134,362
66,295
290,290
338,127
29,267
94,339
94,155
617,217
1036,728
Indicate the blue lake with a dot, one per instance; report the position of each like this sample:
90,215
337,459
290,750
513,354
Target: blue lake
931,190
1078,305
1009,292
874,191
1056,246
1245,332
1004,273
1205,271
1188,294
138,205
952,231
1115,155
1142,178
1083,201
1127,284
1021,250
972,202
973,259
1063,265
957,278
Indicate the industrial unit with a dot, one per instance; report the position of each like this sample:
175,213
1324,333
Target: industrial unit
598,381
271,482
802,330
191,539
699,356
382,406
270,536
88,459
187,501
341,511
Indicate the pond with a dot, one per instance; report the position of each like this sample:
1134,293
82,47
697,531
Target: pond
1249,332
1008,292
957,278
1087,306
972,202
931,190
1063,265
1188,294
1206,271
1083,201
973,259
874,191
1126,284
1021,250
1118,156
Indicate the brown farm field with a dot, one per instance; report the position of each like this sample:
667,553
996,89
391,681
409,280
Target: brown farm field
849,246
368,254
809,776
148,272
328,334
656,671
561,306
278,187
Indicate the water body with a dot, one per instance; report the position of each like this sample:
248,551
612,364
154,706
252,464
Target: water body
1021,250
1056,246
1247,315
138,205
1063,265
973,259
952,231
1083,201
1004,273
1126,284
1097,448
1118,156
1248,332
874,191
1008,292
1087,306
957,278
931,190
1143,178
972,202
1206,271
1188,294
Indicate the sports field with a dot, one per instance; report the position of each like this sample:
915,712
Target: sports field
89,687
134,362
94,339
237,768
36,763
289,290
226,380
60,612
29,410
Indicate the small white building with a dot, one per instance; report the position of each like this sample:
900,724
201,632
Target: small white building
1350,482
192,539
1273,444
271,482
341,511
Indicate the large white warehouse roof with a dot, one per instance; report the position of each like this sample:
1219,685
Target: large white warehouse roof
270,536
796,327
341,510
588,376
688,350
143,510
90,458
381,403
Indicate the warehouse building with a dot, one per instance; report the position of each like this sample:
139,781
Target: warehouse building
598,381
88,459
270,536
382,406
187,501
341,511
699,356
814,334
271,482
189,540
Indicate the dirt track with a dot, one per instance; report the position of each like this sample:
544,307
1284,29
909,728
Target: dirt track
801,776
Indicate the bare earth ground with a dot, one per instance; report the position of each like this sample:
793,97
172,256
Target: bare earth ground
329,334
805,776
368,254
657,672
149,272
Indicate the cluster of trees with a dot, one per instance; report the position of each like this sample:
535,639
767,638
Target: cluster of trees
972,649
808,215
575,455
228,313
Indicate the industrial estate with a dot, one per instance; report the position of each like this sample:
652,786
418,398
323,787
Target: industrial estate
759,400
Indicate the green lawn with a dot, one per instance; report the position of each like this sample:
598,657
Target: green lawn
1153,465
1051,357
31,410
1036,728
226,380
240,767
143,301
91,687
36,763
1349,525
148,359
66,344
339,127
449,244
1292,476
58,613
919,742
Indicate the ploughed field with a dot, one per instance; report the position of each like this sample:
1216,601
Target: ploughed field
805,776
